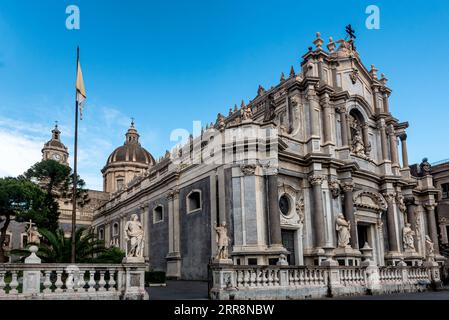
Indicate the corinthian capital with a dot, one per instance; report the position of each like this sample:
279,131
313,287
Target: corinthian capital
316,179
429,207
172,193
341,108
325,100
347,186
389,196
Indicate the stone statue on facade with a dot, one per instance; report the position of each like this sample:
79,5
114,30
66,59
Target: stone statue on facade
430,249
247,113
358,147
343,228
135,234
425,167
220,123
222,242
408,238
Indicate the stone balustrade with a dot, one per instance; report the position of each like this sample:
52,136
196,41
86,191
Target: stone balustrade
72,281
302,282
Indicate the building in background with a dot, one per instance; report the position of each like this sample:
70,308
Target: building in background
54,149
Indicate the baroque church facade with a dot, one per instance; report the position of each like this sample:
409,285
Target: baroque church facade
317,151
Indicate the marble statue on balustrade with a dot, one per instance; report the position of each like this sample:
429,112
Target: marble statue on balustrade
34,236
222,240
343,228
135,235
408,238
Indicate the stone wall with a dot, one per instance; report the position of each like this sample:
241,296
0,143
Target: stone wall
195,233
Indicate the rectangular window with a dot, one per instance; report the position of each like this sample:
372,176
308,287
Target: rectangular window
24,240
158,214
120,183
445,189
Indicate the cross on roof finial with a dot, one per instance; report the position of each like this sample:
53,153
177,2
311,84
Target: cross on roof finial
350,31
132,122
56,123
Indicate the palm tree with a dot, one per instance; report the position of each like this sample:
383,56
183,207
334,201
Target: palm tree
56,247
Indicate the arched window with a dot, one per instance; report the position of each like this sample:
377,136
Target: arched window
101,234
115,229
158,214
194,201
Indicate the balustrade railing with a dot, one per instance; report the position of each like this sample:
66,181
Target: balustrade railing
69,281
315,281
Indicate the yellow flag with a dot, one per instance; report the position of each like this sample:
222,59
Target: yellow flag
80,90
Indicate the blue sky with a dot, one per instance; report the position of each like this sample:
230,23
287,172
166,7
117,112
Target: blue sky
167,63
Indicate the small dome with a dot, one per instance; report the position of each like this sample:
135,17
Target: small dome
131,151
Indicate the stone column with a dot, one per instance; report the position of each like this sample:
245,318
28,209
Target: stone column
385,100
393,146
145,222
392,235
432,227
365,133
326,119
318,212
314,106
344,126
403,138
273,211
176,222
170,222
383,140
348,188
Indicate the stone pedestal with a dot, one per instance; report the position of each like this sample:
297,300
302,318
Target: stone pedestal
222,261
133,260
134,283
32,278
174,265
412,257
348,256
392,258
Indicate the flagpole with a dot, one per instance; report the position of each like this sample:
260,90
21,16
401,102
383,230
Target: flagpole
75,173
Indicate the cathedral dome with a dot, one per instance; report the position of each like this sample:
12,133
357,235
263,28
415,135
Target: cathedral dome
131,151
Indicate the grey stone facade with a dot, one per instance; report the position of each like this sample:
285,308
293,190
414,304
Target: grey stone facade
324,142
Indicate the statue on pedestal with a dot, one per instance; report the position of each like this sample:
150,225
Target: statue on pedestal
222,242
134,233
408,237
358,147
33,234
429,247
343,228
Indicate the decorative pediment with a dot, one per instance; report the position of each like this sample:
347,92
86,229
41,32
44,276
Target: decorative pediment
369,200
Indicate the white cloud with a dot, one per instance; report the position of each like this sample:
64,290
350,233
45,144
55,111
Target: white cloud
18,153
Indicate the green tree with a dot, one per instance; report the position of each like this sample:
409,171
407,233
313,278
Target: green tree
57,180
20,199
